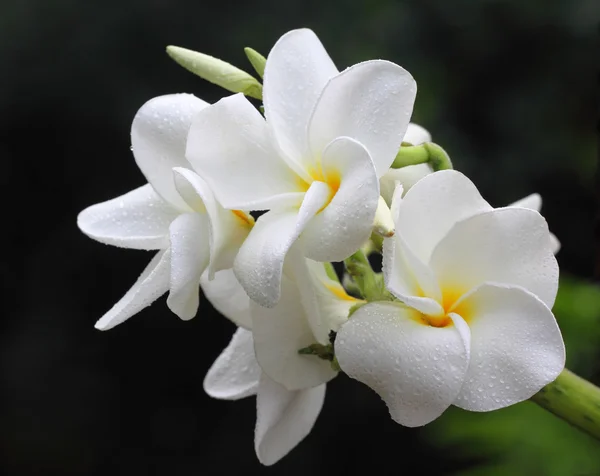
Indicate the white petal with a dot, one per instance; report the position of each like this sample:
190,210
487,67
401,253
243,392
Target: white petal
416,134
533,202
228,297
554,243
227,228
407,278
158,137
433,205
152,284
259,263
283,418
506,245
297,69
407,176
347,221
370,102
417,369
279,333
235,374
139,219
516,347
189,258
333,302
230,147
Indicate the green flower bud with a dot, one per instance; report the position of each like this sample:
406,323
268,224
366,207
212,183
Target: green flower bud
216,71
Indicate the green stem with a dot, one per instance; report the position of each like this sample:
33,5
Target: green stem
371,286
426,153
573,399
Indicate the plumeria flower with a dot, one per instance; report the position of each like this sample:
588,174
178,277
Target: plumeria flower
411,174
473,327
175,213
314,162
265,362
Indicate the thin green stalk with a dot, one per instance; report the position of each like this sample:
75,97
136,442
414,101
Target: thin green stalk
573,399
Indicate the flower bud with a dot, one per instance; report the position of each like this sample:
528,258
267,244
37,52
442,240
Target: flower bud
216,71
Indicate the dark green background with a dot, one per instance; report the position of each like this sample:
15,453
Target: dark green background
508,88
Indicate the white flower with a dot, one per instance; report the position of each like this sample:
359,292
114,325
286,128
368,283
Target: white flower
314,162
475,329
286,411
175,213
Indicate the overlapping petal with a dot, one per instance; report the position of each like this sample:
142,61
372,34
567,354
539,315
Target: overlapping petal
407,278
158,138
417,369
433,205
235,374
284,418
370,102
259,262
227,296
297,69
346,222
227,229
279,333
139,219
507,245
152,283
190,254
230,146
516,347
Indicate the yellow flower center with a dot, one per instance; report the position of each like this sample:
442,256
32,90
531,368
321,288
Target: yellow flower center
330,177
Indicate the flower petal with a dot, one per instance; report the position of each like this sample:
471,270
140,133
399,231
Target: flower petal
407,176
332,300
227,296
347,221
158,136
227,229
505,245
279,333
235,374
283,418
259,263
432,206
370,102
190,253
297,69
230,147
534,202
516,347
139,219
417,369
416,134
407,278
152,284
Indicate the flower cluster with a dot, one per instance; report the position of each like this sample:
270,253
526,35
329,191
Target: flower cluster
461,314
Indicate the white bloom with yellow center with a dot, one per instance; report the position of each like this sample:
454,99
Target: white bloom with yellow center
290,387
314,162
175,213
473,326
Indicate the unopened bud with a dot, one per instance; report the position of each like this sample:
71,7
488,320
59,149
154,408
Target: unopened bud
216,71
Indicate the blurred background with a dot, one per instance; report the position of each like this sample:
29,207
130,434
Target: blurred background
508,88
